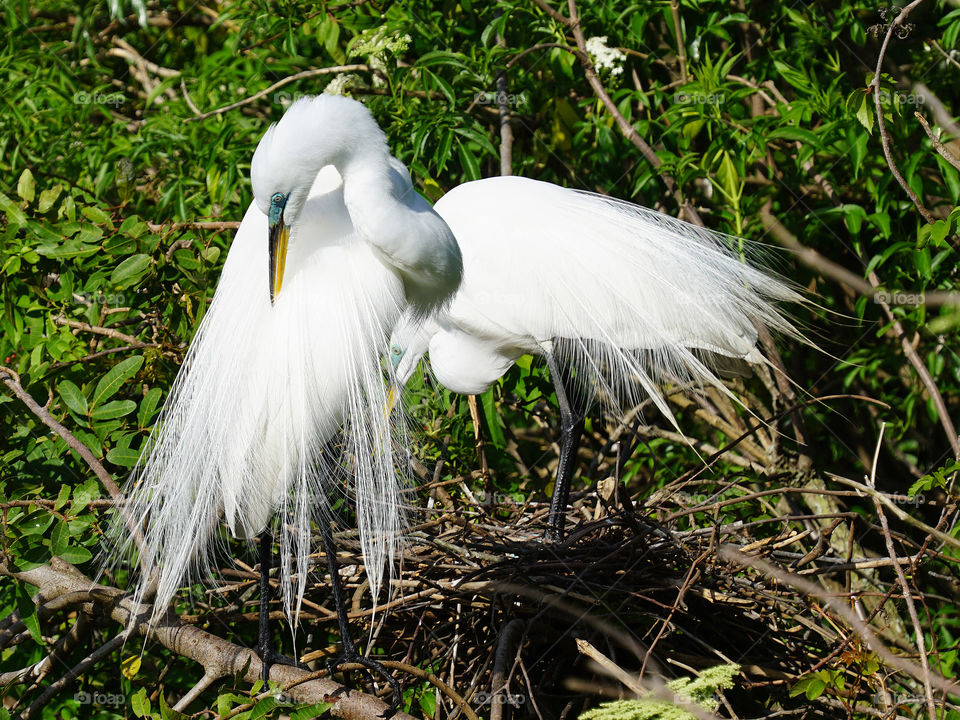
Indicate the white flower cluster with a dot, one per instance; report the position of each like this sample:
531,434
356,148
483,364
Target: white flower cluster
605,58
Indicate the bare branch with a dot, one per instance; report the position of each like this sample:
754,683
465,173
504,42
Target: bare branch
881,126
316,72
217,656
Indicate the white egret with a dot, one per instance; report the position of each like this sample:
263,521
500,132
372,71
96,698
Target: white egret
288,357
615,297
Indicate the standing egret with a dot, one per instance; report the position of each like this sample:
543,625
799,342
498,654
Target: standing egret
288,359
615,297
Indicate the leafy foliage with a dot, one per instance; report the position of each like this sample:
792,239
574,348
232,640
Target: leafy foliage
113,234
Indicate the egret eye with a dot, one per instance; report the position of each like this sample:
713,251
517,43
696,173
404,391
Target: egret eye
396,352
277,199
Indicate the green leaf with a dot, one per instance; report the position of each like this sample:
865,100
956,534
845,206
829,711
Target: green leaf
95,214
32,623
795,133
147,407
26,187
471,166
76,555
168,713
492,418
48,197
115,377
73,397
12,210
130,269
59,538
263,707
865,114
140,703
127,457
115,409
309,712
62,497
428,704
133,226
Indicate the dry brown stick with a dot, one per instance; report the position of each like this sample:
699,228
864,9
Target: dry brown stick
105,331
828,268
937,145
199,225
12,381
902,579
678,33
921,368
841,609
443,687
660,691
881,126
628,131
72,674
542,4
277,85
214,654
892,507
503,111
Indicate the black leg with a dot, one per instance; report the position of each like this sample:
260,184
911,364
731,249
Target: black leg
571,431
264,646
350,653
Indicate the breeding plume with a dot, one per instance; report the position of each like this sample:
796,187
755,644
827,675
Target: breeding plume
281,397
619,300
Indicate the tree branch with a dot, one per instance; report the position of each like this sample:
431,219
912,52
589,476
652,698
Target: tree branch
881,127
217,656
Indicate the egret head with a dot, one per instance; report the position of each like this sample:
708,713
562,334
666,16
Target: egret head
314,132
408,342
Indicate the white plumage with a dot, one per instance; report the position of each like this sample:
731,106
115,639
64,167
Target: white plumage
281,403
627,298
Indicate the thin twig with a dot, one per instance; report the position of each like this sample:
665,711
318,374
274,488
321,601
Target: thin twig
921,368
286,81
841,609
902,579
881,126
937,145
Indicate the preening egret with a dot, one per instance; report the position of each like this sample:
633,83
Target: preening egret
615,297
281,397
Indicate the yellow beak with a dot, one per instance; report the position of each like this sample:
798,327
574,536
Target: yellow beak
279,235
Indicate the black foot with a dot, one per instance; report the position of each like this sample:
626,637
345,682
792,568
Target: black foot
372,667
552,536
269,657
